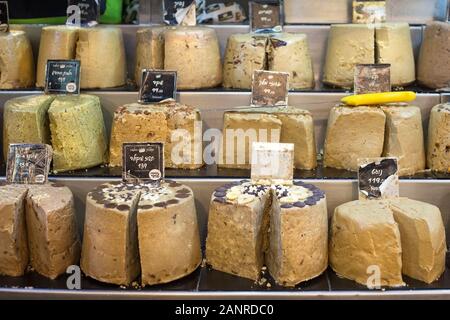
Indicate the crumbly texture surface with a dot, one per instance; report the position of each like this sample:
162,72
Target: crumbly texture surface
438,155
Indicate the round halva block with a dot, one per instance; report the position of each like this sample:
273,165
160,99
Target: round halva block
283,227
434,60
16,61
195,54
387,238
132,227
57,43
101,52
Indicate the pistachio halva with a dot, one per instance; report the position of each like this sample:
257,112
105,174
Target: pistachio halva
287,52
369,132
398,236
282,227
74,126
37,227
132,229
244,126
352,44
191,51
178,126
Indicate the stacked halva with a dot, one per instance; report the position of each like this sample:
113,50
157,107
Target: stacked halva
368,132
73,125
438,156
191,51
37,227
287,52
178,126
398,236
132,229
16,61
100,50
282,227
352,44
244,126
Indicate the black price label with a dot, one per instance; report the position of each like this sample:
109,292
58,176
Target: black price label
62,76
369,11
265,16
4,16
378,178
372,78
83,12
172,9
143,162
270,88
28,163
157,85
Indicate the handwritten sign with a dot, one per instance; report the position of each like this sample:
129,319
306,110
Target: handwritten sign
269,88
272,163
371,11
372,78
62,76
143,162
265,16
378,178
157,85
28,163
4,16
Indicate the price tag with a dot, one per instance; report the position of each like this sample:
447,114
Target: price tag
4,16
28,163
157,85
83,12
265,16
181,12
378,178
270,88
272,163
372,78
372,11
143,162
63,77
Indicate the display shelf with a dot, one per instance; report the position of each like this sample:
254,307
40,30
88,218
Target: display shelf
212,104
340,11
317,35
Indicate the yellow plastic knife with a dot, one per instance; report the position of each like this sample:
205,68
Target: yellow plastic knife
379,98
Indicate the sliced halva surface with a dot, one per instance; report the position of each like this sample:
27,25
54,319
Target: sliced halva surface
13,234
168,232
353,133
53,239
365,241
438,155
78,132
404,138
25,120
149,50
